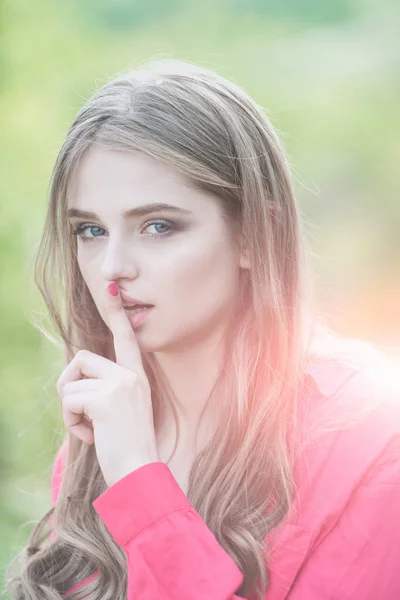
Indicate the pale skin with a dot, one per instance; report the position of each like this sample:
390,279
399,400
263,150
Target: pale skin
188,270
99,409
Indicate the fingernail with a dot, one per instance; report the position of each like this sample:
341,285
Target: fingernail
113,288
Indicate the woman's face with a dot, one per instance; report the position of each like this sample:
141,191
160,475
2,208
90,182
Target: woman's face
183,263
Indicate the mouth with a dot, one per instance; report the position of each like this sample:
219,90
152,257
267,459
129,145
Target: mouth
133,304
132,309
138,314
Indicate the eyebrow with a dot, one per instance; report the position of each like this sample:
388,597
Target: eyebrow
139,211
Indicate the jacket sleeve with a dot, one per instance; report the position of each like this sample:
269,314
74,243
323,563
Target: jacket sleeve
360,558
171,553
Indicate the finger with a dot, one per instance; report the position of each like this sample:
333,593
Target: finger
85,364
75,418
127,352
82,385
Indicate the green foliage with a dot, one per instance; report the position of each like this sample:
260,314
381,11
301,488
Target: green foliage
125,14
308,11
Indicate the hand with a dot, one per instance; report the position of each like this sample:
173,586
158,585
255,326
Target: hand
109,404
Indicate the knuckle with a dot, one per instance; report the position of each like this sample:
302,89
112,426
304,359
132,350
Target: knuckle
59,387
112,388
131,378
64,404
66,388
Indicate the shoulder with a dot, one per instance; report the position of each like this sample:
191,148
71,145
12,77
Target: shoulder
340,538
354,394
351,430
351,378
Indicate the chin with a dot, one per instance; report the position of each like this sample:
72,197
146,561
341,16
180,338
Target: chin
148,343
156,342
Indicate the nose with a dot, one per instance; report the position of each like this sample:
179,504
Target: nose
118,262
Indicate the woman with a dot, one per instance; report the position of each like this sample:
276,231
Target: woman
221,441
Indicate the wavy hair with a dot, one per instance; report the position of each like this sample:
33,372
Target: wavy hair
223,143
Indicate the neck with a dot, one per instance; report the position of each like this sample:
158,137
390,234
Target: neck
191,375
191,372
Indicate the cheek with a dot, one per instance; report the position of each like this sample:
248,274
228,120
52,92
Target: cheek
90,257
87,273
202,276
91,276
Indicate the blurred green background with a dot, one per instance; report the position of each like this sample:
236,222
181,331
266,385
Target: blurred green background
328,74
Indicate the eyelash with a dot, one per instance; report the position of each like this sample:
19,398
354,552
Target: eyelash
81,228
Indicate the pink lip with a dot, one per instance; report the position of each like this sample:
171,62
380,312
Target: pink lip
137,318
130,299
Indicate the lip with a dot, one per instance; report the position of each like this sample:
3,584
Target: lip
131,300
137,318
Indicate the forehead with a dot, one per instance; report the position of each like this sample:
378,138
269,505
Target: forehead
130,179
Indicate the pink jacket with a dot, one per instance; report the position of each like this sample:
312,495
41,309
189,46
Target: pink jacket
341,540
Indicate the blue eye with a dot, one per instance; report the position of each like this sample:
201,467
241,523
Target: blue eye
162,224
96,230
79,231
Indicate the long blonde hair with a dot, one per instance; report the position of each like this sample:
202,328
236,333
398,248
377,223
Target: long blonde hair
217,137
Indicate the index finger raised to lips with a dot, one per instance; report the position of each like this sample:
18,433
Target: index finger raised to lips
127,352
